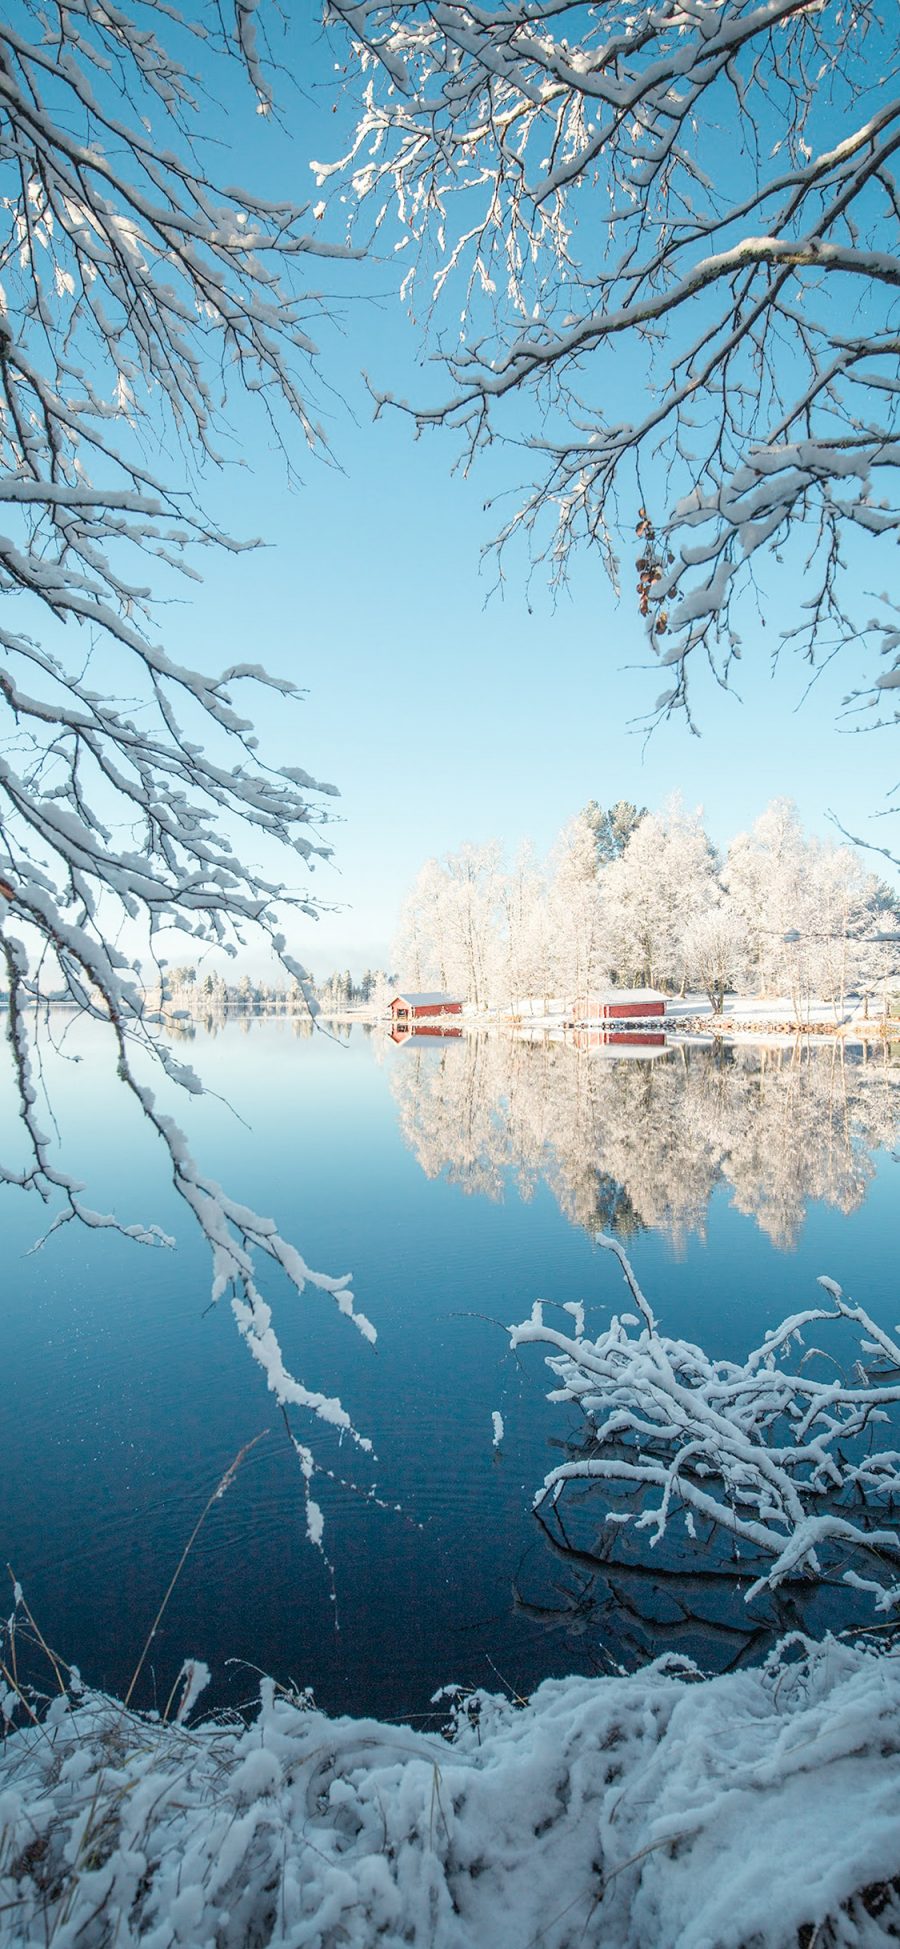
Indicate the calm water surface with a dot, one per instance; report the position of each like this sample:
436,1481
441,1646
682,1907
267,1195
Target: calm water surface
458,1182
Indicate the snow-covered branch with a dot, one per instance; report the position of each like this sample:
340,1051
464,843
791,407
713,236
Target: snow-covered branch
137,294
774,1452
139,298
689,211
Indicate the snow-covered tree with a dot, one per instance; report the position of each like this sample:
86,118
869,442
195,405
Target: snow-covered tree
474,889
665,878
380,991
418,950
877,946
809,911
713,949
140,297
695,201
524,926
449,931
612,827
844,899
578,936
765,878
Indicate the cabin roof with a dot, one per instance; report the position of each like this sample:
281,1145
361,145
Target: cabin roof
614,996
424,1000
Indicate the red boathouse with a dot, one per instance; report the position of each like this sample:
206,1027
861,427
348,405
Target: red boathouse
418,1011
621,1005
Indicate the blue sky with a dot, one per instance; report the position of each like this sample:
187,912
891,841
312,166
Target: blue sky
443,713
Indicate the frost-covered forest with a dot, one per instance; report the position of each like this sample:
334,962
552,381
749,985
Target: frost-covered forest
632,896
626,896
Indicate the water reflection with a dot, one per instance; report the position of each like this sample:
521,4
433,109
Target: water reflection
641,1144
626,1605
423,1033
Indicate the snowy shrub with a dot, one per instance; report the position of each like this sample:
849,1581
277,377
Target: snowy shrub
778,1452
649,1812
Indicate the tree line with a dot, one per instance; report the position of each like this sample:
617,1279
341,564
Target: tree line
206,992
631,897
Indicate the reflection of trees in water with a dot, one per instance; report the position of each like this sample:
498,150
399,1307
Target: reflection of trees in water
215,1021
451,1112
643,1144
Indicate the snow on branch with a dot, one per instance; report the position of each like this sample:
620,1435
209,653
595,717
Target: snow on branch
769,1452
699,349
139,296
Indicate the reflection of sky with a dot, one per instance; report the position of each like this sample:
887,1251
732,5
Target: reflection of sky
124,1400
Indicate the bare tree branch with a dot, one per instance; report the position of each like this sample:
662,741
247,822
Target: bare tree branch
705,185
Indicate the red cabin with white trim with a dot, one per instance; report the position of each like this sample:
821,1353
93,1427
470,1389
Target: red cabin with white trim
417,1011
622,1005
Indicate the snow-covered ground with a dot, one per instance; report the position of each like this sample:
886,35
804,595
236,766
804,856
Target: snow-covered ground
765,1008
760,1810
744,1017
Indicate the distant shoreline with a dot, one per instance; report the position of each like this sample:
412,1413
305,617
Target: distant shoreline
697,1028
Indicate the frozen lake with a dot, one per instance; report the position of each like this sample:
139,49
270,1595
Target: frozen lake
458,1181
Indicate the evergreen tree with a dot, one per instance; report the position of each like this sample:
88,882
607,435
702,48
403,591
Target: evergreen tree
612,828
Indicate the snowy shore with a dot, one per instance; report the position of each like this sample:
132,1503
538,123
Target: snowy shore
744,1019
759,1810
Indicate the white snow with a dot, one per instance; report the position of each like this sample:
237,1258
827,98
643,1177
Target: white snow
432,998
789,1463
196,1675
658,1811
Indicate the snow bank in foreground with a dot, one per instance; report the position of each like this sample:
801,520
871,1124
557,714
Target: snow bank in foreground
648,1812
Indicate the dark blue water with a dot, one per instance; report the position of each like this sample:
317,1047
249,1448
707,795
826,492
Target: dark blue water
457,1185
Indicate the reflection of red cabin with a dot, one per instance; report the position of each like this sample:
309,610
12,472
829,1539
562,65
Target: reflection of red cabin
420,1011
621,1005
431,1028
618,1039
